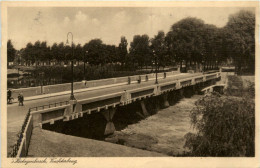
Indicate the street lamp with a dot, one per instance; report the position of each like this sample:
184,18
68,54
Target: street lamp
18,76
72,74
41,76
84,78
203,65
156,67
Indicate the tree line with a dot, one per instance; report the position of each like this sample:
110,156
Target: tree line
189,42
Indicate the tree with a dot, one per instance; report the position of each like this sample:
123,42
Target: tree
185,42
78,53
61,52
36,52
111,54
220,46
55,52
43,51
122,50
10,51
28,54
67,52
210,47
48,55
140,50
160,49
240,35
95,50
225,126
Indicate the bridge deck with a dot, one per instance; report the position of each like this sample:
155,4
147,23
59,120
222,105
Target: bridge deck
16,113
51,144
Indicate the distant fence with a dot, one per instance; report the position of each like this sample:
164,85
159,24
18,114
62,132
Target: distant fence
20,148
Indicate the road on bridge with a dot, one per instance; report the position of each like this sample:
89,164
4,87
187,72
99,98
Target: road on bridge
16,114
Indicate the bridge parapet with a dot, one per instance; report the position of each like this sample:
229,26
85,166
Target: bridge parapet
141,93
78,108
168,86
217,87
107,103
198,79
211,76
49,115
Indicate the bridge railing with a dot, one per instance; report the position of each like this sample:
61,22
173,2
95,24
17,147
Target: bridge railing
56,104
95,104
20,148
119,98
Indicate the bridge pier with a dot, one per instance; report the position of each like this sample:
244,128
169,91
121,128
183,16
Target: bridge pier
165,100
188,91
195,89
213,81
109,114
155,104
171,98
181,91
144,110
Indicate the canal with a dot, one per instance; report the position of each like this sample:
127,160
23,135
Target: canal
162,132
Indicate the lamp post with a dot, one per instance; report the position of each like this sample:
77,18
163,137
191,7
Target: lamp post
41,76
203,66
18,76
84,77
72,74
156,67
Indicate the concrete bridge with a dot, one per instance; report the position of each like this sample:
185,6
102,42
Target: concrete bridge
106,104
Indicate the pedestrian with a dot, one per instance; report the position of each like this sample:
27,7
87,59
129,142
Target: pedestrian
20,99
9,96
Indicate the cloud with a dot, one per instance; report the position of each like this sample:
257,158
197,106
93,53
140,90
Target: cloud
109,24
80,17
66,20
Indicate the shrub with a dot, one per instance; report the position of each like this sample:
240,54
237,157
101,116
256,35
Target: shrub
234,86
250,89
225,126
237,87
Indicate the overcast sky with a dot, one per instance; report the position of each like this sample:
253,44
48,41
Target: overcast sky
27,24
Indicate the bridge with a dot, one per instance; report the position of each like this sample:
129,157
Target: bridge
107,100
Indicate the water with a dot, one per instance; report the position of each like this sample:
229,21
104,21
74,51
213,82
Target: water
162,132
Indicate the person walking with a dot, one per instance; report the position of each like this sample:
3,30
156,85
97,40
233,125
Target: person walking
20,99
9,96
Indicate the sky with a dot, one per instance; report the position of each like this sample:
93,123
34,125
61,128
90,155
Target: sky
51,24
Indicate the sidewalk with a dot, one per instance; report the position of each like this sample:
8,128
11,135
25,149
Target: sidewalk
83,90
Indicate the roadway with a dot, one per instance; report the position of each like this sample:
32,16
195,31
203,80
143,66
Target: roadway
16,114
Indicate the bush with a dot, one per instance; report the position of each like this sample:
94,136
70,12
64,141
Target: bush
236,87
47,75
225,125
92,72
250,89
